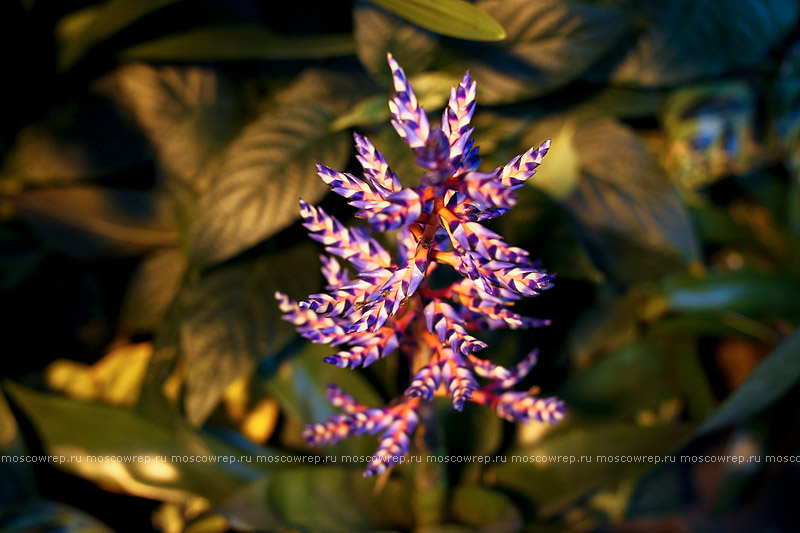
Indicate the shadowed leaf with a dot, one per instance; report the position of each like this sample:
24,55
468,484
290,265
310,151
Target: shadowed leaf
455,18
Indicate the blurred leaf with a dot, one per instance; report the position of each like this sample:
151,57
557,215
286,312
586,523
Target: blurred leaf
236,43
455,18
549,43
319,498
553,485
114,16
560,174
482,507
44,515
629,214
233,321
78,430
378,32
613,385
82,139
299,384
690,39
88,220
431,88
20,256
263,173
17,482
742,291
712,132
770,380
189,114
725,325
152,288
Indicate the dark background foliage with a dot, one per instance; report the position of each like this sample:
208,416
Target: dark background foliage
152,155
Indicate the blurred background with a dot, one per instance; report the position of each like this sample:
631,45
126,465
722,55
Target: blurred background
153,152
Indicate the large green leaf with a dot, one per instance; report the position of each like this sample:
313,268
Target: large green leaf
78,431
378,32
701,38
188,114
152,288
769,381
232,321
628,212
102,23
263,173
319,498
238,42
16,480
741,291
90,220
549,43
455,18
483,507
44,515
552,484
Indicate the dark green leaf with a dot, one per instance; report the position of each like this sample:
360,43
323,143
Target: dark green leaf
88,220
152,288
188,114
629,214
264,172
613,385
701,38
78,430
552,485
112,17
742,291
17,483
320,498
44,515
768,382
549,43
299,384
378,32
232,321
455,18
482,507
236,43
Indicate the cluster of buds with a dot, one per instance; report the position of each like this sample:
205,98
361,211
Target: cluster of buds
380,304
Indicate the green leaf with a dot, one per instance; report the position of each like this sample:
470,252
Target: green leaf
613,385
83,139
114,16
44,515
552,485
483,507
431,88
188,114
300,382
455,18
629,214
77,431
320,498
691,39
236,43
17,482
378,32
89,221
232,321
152,288
550,43
263,173
741,291
768,382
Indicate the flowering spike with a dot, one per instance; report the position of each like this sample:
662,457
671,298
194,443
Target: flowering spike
408,117
380,303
